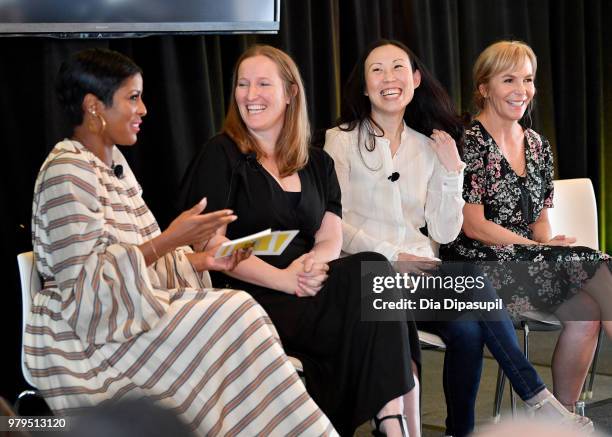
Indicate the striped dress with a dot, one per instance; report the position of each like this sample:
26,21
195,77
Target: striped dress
106,326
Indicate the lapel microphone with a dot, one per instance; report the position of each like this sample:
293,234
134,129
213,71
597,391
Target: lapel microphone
118,170
394,176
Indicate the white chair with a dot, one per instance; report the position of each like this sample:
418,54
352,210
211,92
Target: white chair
575,211
431,341
297,364
30,284
574,214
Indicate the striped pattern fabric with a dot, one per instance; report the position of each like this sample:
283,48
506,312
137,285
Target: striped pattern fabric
106,326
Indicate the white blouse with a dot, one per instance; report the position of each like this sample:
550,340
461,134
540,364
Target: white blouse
384,216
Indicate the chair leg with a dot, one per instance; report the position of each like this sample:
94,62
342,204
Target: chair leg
587,390
501,379
499,394
525,326
526,339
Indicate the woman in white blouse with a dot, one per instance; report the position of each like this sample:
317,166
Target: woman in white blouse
401,197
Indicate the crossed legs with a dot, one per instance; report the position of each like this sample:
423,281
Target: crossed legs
582,316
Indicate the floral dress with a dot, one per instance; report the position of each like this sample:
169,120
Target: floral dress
528,277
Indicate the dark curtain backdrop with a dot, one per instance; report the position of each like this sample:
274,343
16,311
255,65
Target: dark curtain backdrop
187,80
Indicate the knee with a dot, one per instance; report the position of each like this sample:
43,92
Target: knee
587,329
367,256
464,336
238,298
591,328
375,262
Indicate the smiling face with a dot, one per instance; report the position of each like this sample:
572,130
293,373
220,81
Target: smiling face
260,95
124,116
508,94
389,80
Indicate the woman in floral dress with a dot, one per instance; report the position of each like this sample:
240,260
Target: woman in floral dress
508,188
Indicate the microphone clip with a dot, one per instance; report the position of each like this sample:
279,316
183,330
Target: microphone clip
117,170
394,176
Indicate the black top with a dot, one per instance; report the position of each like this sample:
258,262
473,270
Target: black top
294,198
231,179
323,331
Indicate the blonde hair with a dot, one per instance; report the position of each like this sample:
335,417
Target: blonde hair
293,141
498,57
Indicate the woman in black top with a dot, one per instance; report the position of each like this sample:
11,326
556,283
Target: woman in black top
262,168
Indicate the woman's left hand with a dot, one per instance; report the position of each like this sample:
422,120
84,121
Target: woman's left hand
206,260
560,240
446,149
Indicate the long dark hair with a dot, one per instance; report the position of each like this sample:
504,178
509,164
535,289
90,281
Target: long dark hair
431,107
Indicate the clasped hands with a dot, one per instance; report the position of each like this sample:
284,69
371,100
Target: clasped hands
305,276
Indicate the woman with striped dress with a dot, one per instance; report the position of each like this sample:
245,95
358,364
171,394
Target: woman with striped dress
127,310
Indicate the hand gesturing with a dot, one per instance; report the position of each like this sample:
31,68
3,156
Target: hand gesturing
191,227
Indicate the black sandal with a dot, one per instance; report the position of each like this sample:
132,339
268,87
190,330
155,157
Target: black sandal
376,432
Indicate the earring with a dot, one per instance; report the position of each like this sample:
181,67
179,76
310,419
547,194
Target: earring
92,125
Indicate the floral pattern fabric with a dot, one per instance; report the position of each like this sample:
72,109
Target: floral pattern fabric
528,277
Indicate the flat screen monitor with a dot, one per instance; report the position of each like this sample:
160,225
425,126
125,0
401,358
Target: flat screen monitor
107,18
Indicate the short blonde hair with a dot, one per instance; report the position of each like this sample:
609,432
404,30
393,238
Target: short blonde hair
498,57
293,141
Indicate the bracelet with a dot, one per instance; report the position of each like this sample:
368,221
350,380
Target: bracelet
153,247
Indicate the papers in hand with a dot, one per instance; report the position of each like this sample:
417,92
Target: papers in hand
263,243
